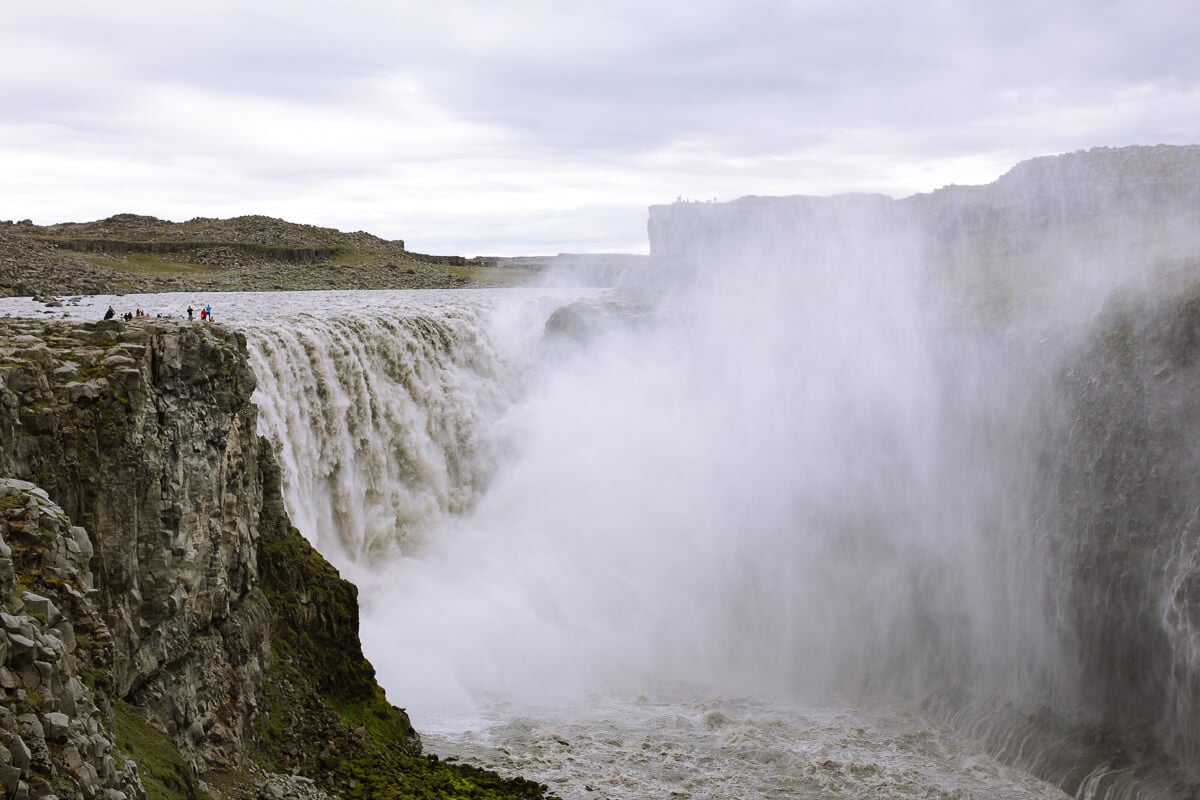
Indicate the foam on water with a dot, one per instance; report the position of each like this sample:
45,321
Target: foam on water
735,748
531,606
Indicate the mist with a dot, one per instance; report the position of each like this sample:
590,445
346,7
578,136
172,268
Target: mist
784,465
844,452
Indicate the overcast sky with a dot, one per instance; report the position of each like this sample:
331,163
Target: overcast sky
510,127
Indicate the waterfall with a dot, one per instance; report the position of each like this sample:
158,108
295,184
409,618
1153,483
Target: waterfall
845,450
384,412
794,477
378,422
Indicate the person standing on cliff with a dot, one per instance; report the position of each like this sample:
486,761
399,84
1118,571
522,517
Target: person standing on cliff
189,313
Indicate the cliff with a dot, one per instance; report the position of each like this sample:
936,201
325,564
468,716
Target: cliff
1125,467
1136,206
166,629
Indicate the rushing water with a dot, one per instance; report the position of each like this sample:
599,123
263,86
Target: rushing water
789,516
558,577
736,748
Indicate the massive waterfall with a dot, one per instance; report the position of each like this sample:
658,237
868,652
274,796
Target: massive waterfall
793,462
832,499
822,451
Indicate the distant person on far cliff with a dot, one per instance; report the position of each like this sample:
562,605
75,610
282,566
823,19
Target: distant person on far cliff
189,313
110,313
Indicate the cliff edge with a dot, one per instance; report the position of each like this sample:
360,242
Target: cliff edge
166,631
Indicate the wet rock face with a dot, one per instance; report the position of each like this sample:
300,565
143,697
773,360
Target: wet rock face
145,433
55,658
1128,478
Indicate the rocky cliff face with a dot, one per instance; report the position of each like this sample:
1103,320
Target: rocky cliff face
55,657
156,595
146,436
1127,526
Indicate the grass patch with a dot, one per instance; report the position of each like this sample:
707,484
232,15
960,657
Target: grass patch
350,256
503,275
164,773
147,264
14,500
374,713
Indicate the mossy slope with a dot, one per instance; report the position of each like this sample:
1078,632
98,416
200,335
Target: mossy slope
326,717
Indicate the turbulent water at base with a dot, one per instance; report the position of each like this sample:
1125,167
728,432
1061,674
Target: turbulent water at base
789,516
736,748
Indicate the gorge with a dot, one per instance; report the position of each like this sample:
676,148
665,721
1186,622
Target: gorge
834,497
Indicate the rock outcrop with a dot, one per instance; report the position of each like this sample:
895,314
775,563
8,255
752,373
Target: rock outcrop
55,658
165,604
147,438
1127,524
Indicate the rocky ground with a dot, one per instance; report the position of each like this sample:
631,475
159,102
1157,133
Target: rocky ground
55,649
130,253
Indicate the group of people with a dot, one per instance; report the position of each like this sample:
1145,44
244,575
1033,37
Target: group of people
129,315
206,314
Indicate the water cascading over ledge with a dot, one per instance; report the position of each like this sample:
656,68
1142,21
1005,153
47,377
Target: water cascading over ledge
863,450
377,421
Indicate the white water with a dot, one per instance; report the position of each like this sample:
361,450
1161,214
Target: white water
654,553
735,748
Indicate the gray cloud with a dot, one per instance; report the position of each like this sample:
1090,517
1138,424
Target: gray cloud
549,108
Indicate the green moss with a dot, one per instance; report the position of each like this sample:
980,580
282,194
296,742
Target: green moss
20,587
324,713
110,419
373,714
95,678
430,778
96,370
45,475
30,703
164,773
321,614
